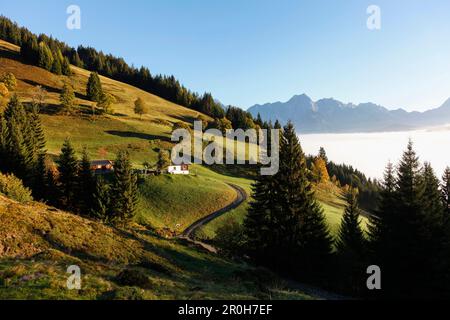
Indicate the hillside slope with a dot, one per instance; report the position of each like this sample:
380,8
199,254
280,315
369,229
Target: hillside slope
38,243
124,129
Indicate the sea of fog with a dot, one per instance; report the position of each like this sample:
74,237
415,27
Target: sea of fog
370,152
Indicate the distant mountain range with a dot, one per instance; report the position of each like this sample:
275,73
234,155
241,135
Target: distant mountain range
333,116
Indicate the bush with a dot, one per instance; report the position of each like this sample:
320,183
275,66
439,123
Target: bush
133,278
4,92
230,237
13,188
10,81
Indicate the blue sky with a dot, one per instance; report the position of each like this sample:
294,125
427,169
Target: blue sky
256,51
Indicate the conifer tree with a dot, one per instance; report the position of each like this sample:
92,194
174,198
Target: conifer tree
65,67
351,247
323,154
17,156
258,223
408,218
56,67
94,87
68,175
277,125
431,200
101,205
350,235
45,59
67,98
86,184
124,189
40,182
379,223
300,213
292,222
445,188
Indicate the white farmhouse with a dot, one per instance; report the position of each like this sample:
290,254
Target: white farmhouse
180,169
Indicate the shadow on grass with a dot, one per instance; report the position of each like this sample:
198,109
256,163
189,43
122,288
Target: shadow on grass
53,89
138,135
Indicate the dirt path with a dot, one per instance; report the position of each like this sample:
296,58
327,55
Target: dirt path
188,234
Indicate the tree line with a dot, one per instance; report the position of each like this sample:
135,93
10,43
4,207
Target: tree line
68,182
56,56
347,175
408,237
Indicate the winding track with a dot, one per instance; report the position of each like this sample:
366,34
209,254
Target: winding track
187,234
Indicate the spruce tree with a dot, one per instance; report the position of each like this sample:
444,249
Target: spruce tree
67,98
68,175
65,67
445,189
407,231
39,183
290,221
300,213
351,247
101,201
86,184
258,221
350,235
379,222
124,189
94,88
56,67
17,155
45,59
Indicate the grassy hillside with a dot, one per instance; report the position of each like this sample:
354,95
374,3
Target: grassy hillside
38,243
124,129
175,202
328,195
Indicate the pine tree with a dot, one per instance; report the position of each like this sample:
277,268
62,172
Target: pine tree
323,154
258,221
86,184
292,222
17,156
56,67
445,188
65,67
431,200
40,188
67,98
101,205
45,56
124,189
350,235
351,247
68,175
94,87
408,218
379,223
